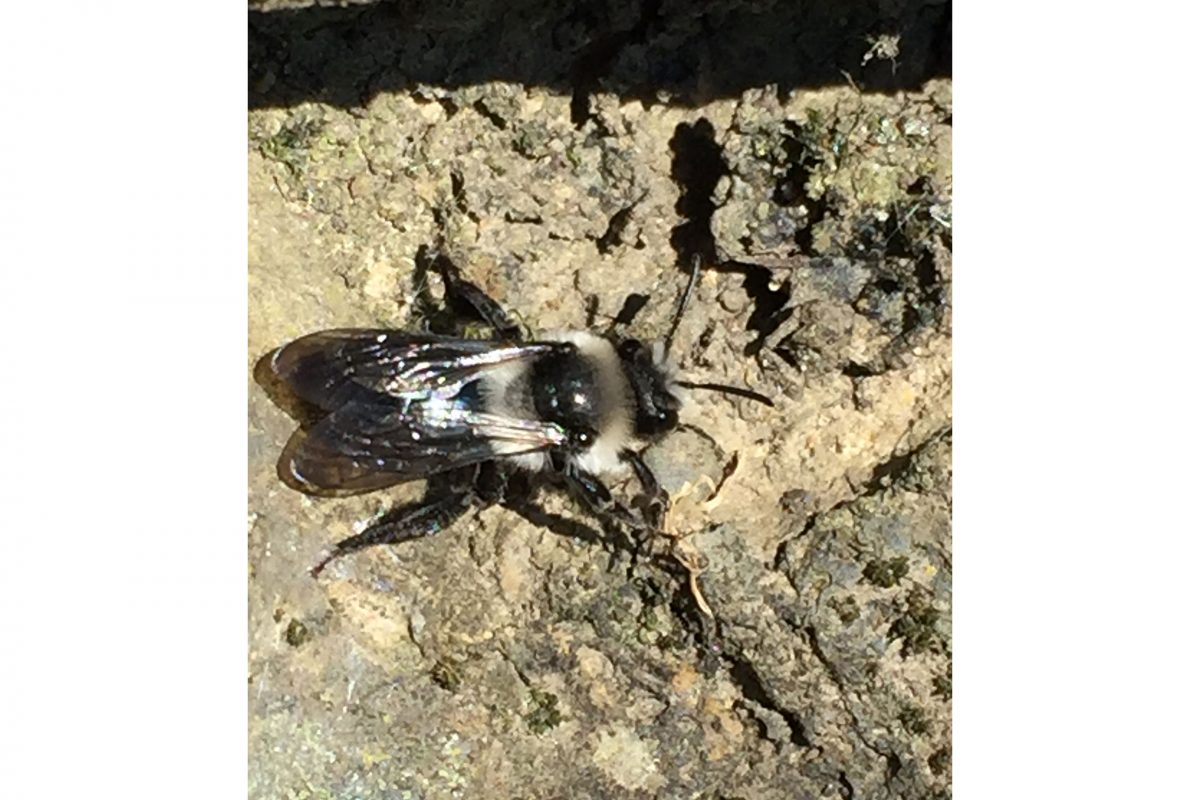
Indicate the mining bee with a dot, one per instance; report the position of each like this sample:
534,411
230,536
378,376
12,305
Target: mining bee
390,406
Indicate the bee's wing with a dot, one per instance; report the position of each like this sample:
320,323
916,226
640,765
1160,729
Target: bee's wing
367,445
394,410
333,368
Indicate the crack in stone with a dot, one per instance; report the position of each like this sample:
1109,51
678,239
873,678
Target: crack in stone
883,477
743,673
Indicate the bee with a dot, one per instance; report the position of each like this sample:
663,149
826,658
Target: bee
389,406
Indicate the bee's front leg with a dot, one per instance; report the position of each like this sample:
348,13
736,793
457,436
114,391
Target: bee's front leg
654,499
590,490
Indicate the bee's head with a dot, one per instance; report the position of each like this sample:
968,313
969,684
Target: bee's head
657,393
657,397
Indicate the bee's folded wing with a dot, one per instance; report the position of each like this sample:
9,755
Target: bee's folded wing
332,368
368,445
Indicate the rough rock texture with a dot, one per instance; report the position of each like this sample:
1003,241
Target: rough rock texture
570,158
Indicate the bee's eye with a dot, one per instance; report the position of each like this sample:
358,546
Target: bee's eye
581,438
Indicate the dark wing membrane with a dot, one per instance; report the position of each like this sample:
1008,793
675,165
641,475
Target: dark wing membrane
366,445
332,368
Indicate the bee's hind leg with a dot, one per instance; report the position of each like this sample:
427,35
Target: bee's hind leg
466,292
413,523
458,495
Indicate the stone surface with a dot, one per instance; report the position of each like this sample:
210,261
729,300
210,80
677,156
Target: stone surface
568,159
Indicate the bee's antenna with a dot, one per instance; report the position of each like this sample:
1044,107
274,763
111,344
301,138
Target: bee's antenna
716,387
749,394
683,301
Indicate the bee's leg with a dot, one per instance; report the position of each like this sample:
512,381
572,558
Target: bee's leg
654,499
488,309
600,501
413,522
491,483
